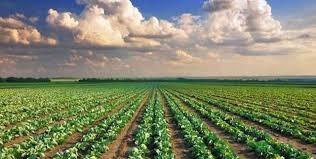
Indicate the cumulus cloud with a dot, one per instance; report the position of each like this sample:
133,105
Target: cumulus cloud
120,24
15,31
10,65
90,59
217,5
183,57
241,21
112,37
65,20
188,23
112,23
6,61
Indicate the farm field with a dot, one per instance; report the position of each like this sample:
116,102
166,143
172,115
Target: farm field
162,120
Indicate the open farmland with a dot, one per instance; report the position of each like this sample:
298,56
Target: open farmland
157,120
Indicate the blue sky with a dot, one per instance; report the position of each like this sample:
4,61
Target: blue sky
110,38
160,8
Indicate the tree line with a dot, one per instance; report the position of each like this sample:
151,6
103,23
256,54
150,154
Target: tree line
171,80
24,79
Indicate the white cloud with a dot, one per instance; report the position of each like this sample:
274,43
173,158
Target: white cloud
183,57
6,61
235,21
212,56
96,29
188,23
15,31
112,23
112,37
64,20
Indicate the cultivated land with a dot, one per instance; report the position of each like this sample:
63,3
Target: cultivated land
163,120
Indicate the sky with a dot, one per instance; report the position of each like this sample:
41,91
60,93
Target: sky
157,38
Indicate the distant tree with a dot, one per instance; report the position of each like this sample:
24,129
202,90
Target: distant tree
26,80
11,79
181,79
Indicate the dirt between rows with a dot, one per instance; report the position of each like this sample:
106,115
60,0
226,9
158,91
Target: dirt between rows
240,149
19,139
296,143
306,127
180,148
252,103
75,137
123,143
310,148
42,115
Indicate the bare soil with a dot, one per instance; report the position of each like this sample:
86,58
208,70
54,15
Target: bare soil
310,148
121,146
75,137
240,149
19,139
180,149
296,143
39,116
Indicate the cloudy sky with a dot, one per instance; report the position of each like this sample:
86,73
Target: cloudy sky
154,38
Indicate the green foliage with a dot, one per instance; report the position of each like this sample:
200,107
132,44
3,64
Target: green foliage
25,80
51,113
259,141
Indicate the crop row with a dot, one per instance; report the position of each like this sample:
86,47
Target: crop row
94,143
205,143
33,107
56,134
260,142
275,112
30,126
284,99
152,134
262,118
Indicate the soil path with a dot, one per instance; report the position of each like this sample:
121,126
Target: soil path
120,147
19,139
296,143
46,114
75,137
310,148
240,149
179,147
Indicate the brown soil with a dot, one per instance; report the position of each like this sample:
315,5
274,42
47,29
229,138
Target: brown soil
179,147
71,140
296,143
19,139
310,148
16,140
305,127
251,103
240,149
75,137
123,143
42,115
